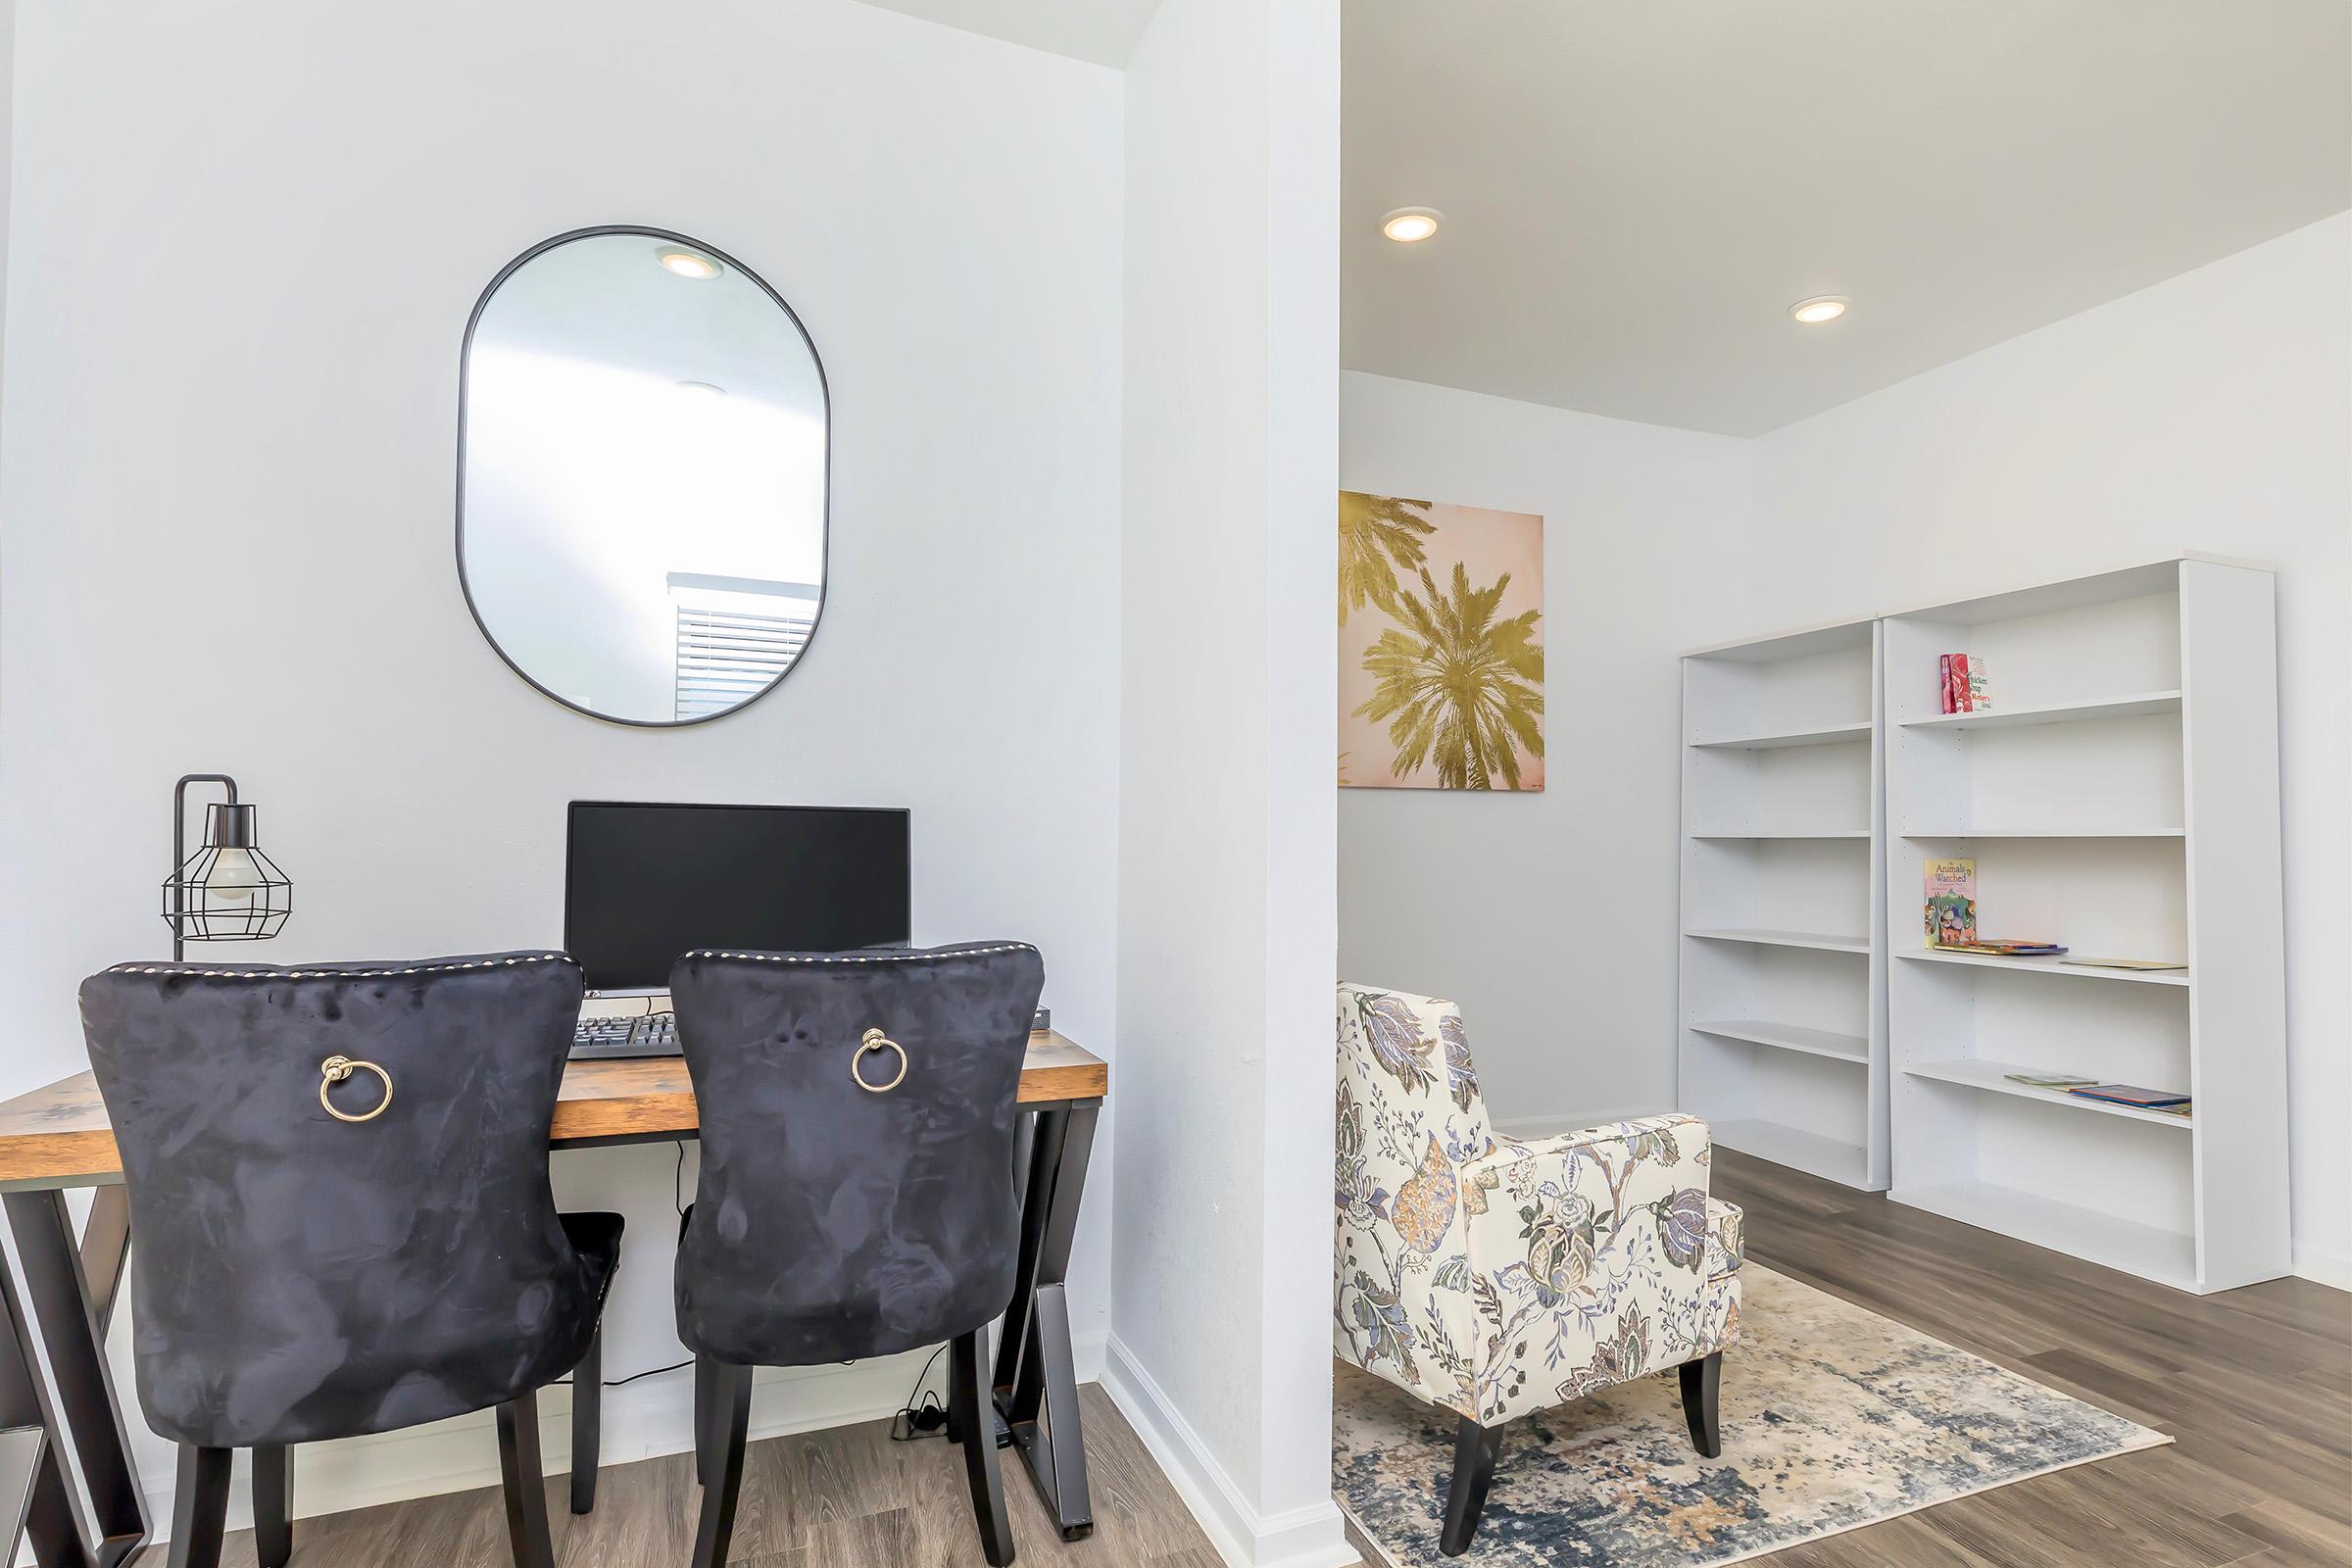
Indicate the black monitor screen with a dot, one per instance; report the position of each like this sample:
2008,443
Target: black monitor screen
642,884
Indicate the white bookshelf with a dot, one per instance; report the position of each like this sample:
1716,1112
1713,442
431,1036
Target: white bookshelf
1782,1039
2120,797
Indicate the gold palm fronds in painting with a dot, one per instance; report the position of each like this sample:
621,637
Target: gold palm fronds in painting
1378,534
1458,686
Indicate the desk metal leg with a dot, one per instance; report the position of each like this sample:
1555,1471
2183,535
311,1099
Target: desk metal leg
1035,1381
83,1508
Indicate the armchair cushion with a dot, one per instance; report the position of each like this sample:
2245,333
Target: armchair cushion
1493,1277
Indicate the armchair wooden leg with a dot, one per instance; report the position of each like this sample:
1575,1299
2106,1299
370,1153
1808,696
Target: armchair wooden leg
731,1418
520,1469
974,1422
200,1506
1702,1390
1475,1450
587,1423
272,1506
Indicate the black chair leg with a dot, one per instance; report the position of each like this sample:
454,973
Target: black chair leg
1702,1404
976,1432
705,1372
731,1419
200,1506
525,1481
587,1423
272,1506
1474,1449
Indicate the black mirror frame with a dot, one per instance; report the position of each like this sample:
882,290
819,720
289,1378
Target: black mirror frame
824,392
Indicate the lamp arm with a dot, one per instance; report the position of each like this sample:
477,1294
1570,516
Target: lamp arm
179,847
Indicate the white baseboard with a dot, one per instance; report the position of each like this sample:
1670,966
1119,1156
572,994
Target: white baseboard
641,1421
2324,1268
1311,1537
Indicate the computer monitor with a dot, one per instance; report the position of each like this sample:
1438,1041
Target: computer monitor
644,883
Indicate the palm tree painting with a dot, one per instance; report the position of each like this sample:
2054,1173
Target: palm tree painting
1440,646
1379,537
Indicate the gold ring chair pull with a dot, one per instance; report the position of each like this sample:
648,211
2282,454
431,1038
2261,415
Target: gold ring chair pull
335,1069
876,1040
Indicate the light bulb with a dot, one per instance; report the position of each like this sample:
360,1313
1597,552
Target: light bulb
1820,307
688,265
233,877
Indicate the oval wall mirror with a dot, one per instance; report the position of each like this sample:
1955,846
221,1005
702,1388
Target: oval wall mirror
642,473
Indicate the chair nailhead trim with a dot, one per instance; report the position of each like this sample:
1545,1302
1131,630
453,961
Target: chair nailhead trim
844,957
330,974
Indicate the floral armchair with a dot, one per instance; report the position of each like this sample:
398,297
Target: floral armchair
1493,1277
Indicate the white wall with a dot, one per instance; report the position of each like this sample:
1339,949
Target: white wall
1220,1348
245,246
1550,916
2212,413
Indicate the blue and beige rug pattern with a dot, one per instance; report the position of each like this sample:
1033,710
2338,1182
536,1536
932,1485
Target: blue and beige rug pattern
1833,1417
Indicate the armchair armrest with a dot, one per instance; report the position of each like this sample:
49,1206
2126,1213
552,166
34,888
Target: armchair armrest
1678,1142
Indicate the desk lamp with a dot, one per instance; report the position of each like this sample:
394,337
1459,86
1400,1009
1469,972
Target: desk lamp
228,890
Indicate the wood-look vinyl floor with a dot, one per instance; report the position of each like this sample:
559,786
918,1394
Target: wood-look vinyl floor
2255,1386
848,1497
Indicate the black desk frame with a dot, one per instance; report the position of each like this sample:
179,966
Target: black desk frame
67,1481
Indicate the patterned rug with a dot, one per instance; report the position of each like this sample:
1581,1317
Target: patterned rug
1833,1417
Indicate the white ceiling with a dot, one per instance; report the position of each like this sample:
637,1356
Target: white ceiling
1103,31
1635,191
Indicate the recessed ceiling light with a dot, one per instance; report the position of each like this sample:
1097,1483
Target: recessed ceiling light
686,263
1819,309
1407,225
703,388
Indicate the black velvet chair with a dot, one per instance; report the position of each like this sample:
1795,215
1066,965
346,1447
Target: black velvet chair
857,1190
341,1221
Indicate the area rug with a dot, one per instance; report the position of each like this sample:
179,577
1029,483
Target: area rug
1833,1417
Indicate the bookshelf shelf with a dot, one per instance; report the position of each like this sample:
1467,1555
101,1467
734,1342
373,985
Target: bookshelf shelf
1819,941
1831,1158
1800,833
1827,735
2151,1252
2056,966
1854,1048
2053,713
2046,833
1783,1046
1991,1076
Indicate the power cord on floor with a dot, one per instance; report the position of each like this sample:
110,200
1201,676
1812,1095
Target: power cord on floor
923,1415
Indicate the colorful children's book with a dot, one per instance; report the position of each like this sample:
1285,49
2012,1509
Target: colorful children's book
1951,911
2131,1094
1962,678
2037,1080
1965,687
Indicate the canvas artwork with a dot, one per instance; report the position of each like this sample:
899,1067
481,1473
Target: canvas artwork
1440,646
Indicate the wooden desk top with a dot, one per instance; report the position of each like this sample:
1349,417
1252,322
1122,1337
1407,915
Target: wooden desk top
58,1136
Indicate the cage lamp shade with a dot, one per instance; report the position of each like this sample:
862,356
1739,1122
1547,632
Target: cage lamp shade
228,890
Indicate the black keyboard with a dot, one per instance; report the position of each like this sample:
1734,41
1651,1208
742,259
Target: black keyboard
636,1034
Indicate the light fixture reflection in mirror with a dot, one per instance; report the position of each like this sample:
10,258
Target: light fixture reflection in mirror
685,263
642,494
